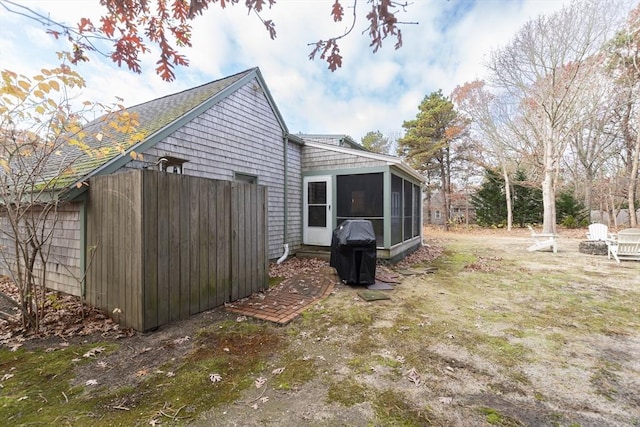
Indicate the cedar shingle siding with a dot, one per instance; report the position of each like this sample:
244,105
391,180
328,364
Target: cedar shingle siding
319,159
63,269
238,134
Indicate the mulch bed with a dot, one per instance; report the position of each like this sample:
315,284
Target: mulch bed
65,317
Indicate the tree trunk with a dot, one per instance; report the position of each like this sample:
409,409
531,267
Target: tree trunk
614,212
446,180
633,183
445,198
428,197
588,192
548,190
507,195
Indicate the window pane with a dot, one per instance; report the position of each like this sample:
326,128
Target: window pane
317,193
408,210
317,216
417,201
360,196
243,177
396,209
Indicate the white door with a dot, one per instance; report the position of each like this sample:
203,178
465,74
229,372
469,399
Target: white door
317,215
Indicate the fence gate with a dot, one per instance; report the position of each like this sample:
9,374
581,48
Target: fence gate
161,246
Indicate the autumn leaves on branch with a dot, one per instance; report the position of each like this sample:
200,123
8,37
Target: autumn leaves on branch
132,25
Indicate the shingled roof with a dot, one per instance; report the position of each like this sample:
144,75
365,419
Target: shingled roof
157,119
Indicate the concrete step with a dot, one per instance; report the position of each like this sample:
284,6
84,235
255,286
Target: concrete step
320,252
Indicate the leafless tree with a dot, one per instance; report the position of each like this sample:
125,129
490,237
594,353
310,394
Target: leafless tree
546,66
624,68
43,142
491,121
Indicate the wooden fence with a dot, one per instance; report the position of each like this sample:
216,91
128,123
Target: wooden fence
161,247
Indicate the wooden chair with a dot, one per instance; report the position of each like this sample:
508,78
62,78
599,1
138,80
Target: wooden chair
598,232
543,241
625,245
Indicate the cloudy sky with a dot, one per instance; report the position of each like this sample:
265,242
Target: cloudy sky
371,92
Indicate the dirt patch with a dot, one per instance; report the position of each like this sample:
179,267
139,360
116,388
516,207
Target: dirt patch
488,334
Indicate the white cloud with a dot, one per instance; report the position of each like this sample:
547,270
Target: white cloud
371,92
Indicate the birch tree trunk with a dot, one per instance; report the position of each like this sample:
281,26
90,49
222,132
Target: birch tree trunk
633,181
507,196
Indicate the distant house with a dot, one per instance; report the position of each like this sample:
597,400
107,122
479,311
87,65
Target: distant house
231,130
461,210
621,217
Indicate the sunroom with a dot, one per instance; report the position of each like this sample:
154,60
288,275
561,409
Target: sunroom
343,181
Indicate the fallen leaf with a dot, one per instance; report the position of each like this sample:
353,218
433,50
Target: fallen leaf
141,373
182,340
414,376
445,400
260,382
93,352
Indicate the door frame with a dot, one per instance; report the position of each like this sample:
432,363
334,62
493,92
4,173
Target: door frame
318,236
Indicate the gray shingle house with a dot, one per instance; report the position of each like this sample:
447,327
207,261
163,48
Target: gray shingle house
231,130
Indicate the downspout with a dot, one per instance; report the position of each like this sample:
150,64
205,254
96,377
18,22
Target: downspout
83,247
284,255
286,201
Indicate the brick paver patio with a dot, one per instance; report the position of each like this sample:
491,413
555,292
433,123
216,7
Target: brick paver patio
284,302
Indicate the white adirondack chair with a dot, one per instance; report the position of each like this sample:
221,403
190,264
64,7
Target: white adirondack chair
598,232
543,241
625,245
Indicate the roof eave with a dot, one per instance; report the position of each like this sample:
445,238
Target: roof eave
122,159
390,160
